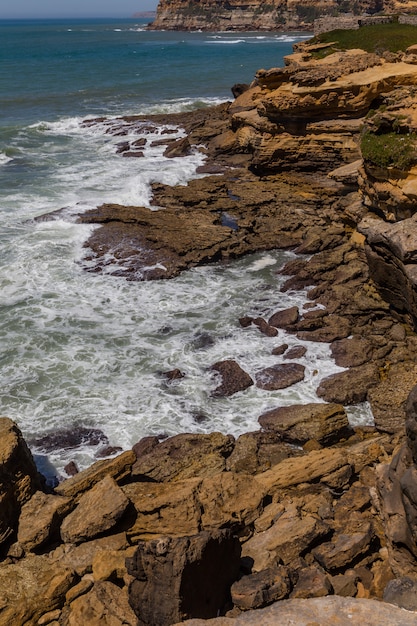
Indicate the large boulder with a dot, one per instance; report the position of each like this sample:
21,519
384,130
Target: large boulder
183,577
184,456
298,423
233,378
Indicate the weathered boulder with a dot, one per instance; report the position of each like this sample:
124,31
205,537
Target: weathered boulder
340,552
298,423
184,456
258,451
261,588
285,318
389,396
402,592
233,378
350,386
41,518
183,577
105,604
312,582
352,351
279,376
98,510
32,587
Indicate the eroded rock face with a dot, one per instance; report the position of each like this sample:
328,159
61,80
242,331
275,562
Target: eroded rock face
178,578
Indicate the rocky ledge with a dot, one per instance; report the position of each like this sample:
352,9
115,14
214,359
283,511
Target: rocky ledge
306,514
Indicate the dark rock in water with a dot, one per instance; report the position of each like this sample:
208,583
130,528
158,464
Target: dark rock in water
70,438
177,578
245,321
296,352
202,340
285,318
278,350
133,153
265,328
174,374
106,451
280,376
234,378
71,468
239,88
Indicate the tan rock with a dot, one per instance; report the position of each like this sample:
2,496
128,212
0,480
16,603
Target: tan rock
185,456
118,468
289,536
300,423
111,564
80,557
98,511
32,587
105,605
388,398
40,519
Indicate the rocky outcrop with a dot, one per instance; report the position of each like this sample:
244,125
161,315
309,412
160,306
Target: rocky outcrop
256,15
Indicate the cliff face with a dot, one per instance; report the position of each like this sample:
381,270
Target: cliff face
257,14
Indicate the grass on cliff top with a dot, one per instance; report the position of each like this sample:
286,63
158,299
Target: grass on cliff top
374,38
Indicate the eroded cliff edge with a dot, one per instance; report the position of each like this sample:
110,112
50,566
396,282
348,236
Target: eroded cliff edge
239,15
306,507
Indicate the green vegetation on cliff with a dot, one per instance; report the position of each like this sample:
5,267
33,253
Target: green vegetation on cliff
373,38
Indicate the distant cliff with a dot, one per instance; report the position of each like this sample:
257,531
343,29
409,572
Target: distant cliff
244,15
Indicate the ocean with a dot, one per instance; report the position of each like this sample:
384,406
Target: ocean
86,351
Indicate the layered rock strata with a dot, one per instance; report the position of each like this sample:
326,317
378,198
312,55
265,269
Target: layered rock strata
258,15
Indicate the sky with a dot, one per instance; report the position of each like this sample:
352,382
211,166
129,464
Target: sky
73,8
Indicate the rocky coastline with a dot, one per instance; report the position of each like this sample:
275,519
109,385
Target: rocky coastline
306,520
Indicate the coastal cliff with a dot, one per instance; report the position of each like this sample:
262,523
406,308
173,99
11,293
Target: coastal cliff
308,519
242,15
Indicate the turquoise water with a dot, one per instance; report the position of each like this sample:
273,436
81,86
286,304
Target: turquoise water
86,350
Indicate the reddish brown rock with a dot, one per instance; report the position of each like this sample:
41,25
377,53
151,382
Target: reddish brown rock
234,378
351,352
296,352
280,376
312,582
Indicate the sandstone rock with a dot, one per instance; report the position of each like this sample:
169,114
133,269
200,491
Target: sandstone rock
262,588
31,588
40,519
106,604
345,584
343,550
265,328
178,578
278,350
312,582
325,423
289,536
184,456
329,611
19,478
118,468
388,397
98,511
334,327
234,378
258,451
280,376
164,508
350,386
79,558
351,352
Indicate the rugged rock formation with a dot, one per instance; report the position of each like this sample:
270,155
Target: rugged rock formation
260,15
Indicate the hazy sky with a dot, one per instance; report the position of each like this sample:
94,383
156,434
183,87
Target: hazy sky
74,8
